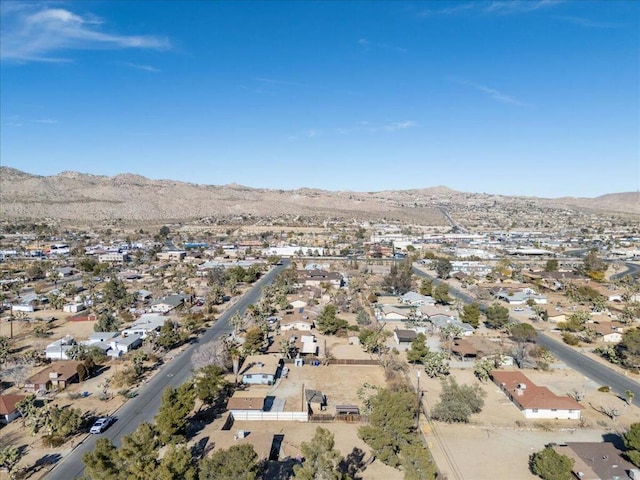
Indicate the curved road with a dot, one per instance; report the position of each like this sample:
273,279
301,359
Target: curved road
173,373
596,371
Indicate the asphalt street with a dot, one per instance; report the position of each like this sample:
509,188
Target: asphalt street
173,373
591,369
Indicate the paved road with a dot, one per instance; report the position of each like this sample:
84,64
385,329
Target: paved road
632,269
144,407
598,372
453,223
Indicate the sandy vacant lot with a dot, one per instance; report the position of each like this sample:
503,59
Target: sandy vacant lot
498,441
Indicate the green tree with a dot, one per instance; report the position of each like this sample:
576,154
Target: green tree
238,462
458,402
177,463
426,287
628,349
391,424
551,265
169,336
106,323
254,340
139,452
471,314
443,268
5,348
631,440
103,462
593,266
418,350
115,295
523,333
9,458
210,384
171,420
61,422
417,463
398,281
328,323
497,316
362,317
550,465
441,294
321,459
373,340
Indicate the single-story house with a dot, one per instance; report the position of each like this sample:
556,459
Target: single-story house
252,399
166,304
260,369
309,345
314,278
55,377
146,325
143,295
168,255
390,312
299,320
416,299
64,272
404,336
296,304
534,401
23,307
8,410
440,321
73,307
101,337
608,332
597,460
58,350
112,257
124,344
521,297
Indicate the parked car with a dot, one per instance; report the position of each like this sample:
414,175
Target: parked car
518,309
101,424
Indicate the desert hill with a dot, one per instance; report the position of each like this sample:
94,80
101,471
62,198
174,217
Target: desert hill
129,197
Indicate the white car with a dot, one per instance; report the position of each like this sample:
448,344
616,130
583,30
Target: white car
101,424
519,309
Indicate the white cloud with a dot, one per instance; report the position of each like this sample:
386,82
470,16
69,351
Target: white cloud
36,33
313,133
48,121
518,6
146,68
585,22
493,93
392,127
367,45
502,7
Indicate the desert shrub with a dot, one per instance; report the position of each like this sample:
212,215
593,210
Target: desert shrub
605,389
570,339
52,441
124,378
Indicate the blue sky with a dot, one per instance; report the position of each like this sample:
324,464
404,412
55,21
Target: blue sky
535,97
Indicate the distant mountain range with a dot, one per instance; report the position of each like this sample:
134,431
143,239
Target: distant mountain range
85,198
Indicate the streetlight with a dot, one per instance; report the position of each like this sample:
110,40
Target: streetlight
418,399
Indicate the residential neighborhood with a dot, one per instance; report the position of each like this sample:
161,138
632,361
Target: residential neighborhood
90,333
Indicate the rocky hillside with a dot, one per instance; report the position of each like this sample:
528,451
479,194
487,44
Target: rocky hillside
85,198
